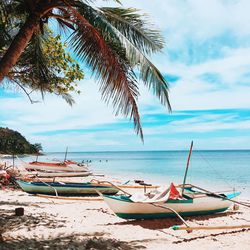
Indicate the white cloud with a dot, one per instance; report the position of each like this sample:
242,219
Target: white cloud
198,19
184,24
55,114
208,126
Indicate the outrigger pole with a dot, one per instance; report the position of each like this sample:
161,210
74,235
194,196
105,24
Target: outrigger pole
185,176
221,196
190,229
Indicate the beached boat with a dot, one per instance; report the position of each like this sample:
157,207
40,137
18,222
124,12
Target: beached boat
56,174
65,188
183,200
162,205
55,166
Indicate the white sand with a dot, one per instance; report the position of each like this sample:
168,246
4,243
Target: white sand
46,220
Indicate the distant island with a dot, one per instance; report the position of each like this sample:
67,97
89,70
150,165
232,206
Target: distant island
12,142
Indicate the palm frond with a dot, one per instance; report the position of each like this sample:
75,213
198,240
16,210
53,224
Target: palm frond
5,37
38,61
122,43
63,20
33,69
126,20
135,28
115,76
68,98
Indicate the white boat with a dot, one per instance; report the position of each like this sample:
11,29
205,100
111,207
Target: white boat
54,167
161,205
57,174
188,200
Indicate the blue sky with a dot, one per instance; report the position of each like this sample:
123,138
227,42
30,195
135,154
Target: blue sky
207,63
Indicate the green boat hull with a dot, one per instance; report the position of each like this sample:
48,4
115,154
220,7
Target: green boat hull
65,189
167,215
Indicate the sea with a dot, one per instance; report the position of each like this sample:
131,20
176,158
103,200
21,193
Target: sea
216,170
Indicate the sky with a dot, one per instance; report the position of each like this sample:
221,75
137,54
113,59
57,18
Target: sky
206,61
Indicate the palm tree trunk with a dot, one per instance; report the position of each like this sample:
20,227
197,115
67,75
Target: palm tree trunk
18,45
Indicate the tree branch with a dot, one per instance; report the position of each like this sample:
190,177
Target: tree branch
25,91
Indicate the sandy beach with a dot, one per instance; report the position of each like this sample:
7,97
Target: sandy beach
64,224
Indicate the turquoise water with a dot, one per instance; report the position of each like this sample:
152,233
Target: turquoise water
209,169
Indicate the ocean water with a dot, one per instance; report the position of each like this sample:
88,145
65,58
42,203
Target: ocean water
223,170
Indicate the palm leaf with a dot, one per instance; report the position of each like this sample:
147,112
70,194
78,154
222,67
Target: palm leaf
38,61
148,73
120,41
5,24
135,28
68,98
115,76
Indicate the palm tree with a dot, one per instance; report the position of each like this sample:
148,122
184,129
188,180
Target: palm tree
36,148
113,42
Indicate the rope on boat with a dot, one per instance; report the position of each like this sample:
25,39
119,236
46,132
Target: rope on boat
214,169
174,211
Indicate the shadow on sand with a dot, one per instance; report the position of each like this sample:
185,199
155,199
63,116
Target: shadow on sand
9,221
69,242
156,224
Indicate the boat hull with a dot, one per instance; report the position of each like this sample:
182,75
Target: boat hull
58,174
47,168
127,209
67,189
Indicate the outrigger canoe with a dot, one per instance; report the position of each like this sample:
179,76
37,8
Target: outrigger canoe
183,200
57,174
190,203
55,166
68,188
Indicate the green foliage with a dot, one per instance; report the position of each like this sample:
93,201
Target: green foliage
12,142
46,66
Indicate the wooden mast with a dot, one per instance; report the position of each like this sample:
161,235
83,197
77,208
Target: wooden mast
185,176
65,157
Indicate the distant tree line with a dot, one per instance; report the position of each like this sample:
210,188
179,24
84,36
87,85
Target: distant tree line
12,142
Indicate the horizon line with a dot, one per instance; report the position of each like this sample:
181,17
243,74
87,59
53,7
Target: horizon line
161,150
